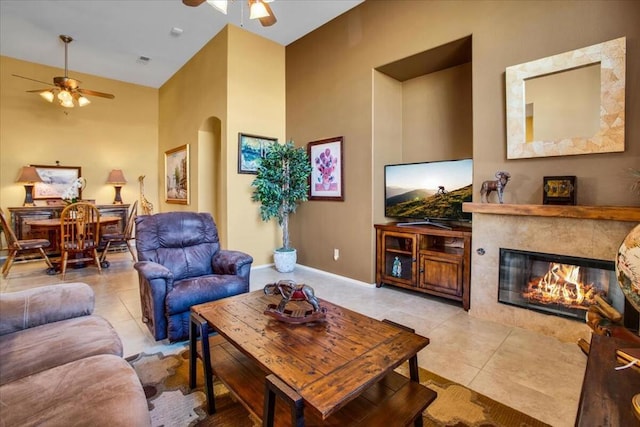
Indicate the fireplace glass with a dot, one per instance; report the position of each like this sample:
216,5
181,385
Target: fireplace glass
556,284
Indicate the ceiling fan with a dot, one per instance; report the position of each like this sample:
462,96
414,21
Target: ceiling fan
258,9
66,90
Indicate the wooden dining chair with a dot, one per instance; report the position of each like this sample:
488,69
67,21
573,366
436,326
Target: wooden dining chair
15,246
123,238
79,235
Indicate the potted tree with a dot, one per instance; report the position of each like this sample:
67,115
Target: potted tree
281,184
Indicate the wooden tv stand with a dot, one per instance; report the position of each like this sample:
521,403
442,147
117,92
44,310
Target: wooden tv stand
432,260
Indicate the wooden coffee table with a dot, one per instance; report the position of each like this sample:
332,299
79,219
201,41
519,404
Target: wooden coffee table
340,371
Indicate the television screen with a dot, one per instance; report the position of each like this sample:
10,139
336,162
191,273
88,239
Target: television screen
429,190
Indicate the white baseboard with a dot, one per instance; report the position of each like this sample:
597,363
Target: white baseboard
315,270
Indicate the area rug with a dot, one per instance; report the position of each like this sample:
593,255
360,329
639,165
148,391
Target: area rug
165,379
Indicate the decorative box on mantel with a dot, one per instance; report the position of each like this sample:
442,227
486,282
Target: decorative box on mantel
593,232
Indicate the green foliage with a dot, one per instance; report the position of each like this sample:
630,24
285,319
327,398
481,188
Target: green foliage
281,184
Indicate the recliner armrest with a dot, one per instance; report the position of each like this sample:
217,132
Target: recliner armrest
231,262
45,304
151,270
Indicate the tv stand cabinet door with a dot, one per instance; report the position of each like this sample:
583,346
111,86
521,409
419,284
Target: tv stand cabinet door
396,258
441,275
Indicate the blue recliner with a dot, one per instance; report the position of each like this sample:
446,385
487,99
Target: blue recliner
180,264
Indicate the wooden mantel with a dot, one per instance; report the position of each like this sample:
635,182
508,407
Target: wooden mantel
612,213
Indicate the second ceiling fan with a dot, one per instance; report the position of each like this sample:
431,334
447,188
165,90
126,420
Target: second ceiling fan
258,9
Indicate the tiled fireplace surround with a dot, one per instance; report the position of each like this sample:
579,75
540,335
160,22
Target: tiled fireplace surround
510,227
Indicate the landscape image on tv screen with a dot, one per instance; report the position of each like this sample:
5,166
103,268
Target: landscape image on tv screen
430,190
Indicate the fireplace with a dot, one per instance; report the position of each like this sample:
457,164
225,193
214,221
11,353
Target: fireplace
556,284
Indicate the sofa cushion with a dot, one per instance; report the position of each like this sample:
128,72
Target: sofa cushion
43,347
37,306
97,391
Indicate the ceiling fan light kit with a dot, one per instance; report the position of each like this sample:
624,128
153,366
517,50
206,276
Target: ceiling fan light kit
220,5
258,9
66,90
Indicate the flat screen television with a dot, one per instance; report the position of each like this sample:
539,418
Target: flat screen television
428,192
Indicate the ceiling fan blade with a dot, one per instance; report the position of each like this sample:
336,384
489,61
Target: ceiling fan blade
268,21
37,90
193,3
95,93
34,80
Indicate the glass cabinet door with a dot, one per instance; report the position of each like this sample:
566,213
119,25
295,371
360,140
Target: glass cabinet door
399,257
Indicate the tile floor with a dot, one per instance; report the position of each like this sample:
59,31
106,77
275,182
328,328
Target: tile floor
535,374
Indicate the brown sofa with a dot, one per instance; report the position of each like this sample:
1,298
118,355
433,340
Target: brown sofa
62,365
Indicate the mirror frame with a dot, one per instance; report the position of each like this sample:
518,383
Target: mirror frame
611,56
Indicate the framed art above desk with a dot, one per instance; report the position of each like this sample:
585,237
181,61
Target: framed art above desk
55,180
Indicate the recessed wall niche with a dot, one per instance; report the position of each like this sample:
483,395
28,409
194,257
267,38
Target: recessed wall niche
422,110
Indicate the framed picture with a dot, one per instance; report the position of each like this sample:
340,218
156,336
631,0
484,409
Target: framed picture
176,175
327,176
55,181
559,190
252,148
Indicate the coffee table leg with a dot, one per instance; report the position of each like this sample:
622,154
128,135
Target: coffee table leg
274,386
199,326
414,373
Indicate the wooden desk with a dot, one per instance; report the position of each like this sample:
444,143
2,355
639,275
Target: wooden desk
328,364
606,394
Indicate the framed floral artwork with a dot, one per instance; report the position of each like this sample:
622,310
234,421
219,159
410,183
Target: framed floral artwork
252,148
55,181
176,175
327,176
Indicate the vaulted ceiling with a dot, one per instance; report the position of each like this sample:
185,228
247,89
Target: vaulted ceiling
111,37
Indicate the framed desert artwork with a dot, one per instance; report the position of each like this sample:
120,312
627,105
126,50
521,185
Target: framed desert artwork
176,175
55,181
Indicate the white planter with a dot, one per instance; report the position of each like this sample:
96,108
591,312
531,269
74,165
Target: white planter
285,261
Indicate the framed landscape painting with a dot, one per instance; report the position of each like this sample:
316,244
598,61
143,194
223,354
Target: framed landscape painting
176,175
327,179
55,181
252,148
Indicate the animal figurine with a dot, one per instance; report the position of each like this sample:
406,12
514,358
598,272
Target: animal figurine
147,206
496,185
291,291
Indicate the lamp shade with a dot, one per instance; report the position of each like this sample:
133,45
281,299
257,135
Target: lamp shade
116,177
220,5
28,174
257,9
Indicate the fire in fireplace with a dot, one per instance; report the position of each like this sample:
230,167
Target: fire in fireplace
556,284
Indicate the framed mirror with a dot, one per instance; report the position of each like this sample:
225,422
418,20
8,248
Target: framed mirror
567,104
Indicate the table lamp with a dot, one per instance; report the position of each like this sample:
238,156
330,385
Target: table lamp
29,176
116,177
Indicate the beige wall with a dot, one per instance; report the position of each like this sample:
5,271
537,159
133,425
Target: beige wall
234,84
329,93
107,134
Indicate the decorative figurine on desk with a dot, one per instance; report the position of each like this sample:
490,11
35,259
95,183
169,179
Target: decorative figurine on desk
396,270
291,291
496,185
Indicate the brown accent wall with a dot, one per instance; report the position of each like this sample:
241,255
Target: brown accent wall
107,134
331,92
